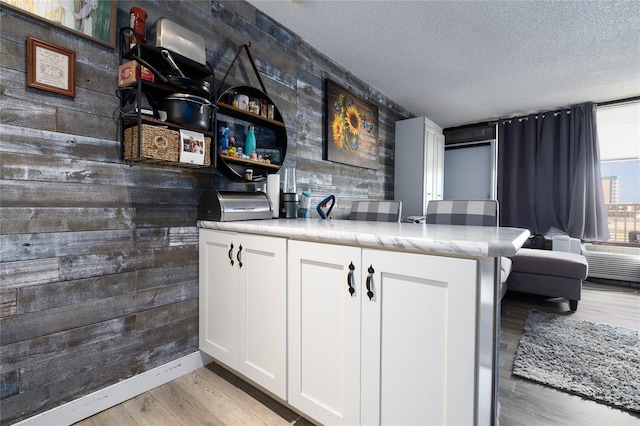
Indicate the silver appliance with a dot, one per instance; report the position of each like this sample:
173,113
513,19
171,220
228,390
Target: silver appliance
226,206
178,39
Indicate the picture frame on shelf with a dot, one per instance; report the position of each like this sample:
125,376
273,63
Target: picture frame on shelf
351,128
92,20
192,147
51,68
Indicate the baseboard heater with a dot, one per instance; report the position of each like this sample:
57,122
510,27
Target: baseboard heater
612,262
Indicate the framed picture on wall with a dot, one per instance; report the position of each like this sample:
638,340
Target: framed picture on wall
94,20
51,67
351,128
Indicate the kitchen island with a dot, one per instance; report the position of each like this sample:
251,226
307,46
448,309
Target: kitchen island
354,322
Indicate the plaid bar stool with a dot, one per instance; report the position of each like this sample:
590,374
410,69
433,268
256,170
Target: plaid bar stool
463,212
469,213
378,211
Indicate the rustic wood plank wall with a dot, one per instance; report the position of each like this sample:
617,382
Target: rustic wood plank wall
98,258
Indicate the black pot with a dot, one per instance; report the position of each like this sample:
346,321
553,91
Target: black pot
179,82
198,87
183,82
188,110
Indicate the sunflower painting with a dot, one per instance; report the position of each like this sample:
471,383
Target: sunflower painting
351,128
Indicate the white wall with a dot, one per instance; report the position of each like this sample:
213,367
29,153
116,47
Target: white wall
470,171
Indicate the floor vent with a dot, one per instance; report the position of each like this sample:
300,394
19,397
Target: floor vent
614,263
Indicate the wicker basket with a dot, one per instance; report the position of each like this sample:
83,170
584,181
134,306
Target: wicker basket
159,145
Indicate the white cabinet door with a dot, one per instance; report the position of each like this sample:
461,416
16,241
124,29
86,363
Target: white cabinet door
430,164
439,166
262,312
434,164
419,164
324,331
243,318
218,288
418,339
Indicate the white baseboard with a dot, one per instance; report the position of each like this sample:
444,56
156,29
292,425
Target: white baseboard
110,396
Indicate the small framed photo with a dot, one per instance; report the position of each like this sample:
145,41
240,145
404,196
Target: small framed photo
193,147
51,67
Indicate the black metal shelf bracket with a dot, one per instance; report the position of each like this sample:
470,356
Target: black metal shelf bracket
244,47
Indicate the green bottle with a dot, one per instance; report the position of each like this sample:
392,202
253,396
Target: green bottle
250,143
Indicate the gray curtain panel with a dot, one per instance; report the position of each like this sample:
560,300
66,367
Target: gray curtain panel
549,173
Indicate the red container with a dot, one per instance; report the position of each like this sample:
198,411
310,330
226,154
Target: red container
137,22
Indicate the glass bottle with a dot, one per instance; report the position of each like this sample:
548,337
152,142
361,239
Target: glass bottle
250,143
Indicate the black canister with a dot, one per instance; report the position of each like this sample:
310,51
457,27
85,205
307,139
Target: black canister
289,205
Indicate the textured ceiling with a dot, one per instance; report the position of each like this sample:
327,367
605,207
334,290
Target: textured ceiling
461,62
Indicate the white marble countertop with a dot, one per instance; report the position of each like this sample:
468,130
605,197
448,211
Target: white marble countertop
476,241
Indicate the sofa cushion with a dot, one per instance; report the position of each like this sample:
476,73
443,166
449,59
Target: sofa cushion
505,267
548,262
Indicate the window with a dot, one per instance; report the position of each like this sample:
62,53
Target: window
619,138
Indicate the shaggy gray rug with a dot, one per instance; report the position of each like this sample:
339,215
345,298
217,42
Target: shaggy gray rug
597,361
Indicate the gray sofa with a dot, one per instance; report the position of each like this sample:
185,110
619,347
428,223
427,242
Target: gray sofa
548,273
544,272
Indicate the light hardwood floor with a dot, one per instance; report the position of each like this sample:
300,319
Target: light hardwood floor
208,396
213,396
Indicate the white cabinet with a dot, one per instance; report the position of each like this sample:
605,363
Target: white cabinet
418,339
324,331
243,317
419,164
405,355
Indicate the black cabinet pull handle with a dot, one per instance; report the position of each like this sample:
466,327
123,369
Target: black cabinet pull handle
231,255
350,279
238,256
370,270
